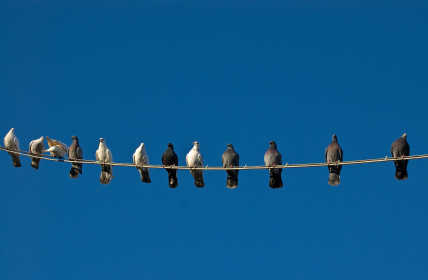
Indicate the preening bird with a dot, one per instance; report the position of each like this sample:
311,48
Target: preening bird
11,143
194,159
400,148
56,148
169,158
36,147
334,154
230,159
103,154
75,152
141,158
273,158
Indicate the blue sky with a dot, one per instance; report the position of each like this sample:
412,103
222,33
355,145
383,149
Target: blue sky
218,72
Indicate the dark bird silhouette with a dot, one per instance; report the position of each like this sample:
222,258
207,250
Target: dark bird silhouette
334,154
230,159
400,148
273,158
169,158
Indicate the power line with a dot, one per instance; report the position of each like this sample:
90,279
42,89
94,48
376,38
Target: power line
302,165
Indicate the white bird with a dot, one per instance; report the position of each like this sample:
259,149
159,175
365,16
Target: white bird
195,159
36,147
56,148
140,157
11,143
103,154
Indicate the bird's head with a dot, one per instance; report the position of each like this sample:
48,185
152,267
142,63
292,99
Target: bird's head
196,145
230,146
170,145
334,137
101,140
404,135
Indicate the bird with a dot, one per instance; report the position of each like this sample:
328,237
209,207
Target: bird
36,147
56,148
230,159
11,143
195,159
140,158
103,155
75,152
400,148
169,158
273,158
334,154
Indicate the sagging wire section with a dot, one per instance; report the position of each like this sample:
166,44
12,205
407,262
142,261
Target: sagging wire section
301,165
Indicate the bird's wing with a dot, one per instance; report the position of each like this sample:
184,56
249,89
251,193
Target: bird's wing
80,152
31,144
201,159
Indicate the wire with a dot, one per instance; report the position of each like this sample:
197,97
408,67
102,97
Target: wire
303,165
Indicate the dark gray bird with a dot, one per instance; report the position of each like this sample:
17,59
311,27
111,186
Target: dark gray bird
230,159
169,158
334,154
11,143
75,152
194,159
272,159
400,148
36,147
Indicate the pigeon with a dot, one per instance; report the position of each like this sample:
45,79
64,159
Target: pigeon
334,154
36,147
273,158
194,159
169,158
75,152
400,148
140,158
103,154
56,148
11,143
230,159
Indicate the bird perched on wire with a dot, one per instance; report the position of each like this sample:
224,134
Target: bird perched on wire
36,148
230,159
194,159
11,143
169,158
273,158
139,159
75,152
103,155
56,148
334,154
400,148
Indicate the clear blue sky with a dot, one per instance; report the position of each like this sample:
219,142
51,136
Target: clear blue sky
217,72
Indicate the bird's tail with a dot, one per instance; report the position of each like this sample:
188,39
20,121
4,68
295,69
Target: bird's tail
231,183
145,176
106,176
75,170
199,178
35,163
334,179
275,180
15,160
232,180
401,174
172,178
